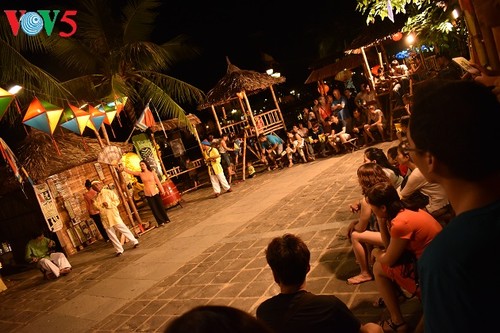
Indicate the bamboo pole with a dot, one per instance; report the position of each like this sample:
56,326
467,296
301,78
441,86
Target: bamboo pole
128,201
367,68
216,119
244,155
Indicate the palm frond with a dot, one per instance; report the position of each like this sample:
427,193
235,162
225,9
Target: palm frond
140,16
163,102
87,87
143,56
72,54
181,91
179,48
34,80
96,27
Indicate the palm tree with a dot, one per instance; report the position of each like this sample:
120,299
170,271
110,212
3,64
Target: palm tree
113,56
16,68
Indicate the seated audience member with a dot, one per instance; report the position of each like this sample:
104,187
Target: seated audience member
453,285
392,154
272,147
40,250
250,169
295,147
377,155
448,69
364,232
405,234
337,136
216,319
303,145
366,97
416,185
296,310
357,129
376,123
403,127
339,106
318,140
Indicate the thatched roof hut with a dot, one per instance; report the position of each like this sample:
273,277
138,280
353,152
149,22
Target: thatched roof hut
39,156
234,82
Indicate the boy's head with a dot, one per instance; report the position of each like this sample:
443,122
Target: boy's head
288,257
443,113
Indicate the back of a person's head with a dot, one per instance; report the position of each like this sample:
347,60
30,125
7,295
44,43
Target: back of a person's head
457,121
216,319
370,174
392,152
288,257
378,155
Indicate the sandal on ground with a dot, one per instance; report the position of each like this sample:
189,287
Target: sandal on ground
389,326
358,279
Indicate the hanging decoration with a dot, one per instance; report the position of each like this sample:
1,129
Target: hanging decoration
75,119
96,118
110,112
5,100
43,116
397,36
120,103
14,164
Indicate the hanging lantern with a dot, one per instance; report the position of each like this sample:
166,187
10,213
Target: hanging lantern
397,36
96,118
109,111
75,119
240,94
5,100
43,116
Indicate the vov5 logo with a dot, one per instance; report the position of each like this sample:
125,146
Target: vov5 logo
33,22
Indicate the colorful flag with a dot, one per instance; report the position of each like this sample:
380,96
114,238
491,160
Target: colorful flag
146,120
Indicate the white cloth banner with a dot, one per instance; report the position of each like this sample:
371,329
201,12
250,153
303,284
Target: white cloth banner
48,206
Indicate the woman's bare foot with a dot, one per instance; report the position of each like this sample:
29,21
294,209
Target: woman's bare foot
360,278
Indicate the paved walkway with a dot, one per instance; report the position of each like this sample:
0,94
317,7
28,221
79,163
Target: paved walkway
211,253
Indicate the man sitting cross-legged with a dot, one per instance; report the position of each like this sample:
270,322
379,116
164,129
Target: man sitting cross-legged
296,310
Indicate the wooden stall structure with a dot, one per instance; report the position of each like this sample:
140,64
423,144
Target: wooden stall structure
171,124
373,38
62,177
234,89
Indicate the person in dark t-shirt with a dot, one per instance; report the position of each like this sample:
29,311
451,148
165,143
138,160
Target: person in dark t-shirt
296,310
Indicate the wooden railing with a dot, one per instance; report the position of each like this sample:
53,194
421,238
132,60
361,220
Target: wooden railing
176,171
272,121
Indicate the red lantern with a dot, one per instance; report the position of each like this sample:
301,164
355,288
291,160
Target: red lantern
397,36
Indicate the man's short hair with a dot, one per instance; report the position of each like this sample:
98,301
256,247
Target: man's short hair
288,257
262,135
443,114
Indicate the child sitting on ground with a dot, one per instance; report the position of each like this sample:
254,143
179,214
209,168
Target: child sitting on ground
250,170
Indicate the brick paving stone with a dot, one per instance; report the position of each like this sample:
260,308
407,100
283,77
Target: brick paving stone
213,253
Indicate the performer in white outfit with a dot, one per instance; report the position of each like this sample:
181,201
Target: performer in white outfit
107,201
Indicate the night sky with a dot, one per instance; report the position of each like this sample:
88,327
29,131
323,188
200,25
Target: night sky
295,36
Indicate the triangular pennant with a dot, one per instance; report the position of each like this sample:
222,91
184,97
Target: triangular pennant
75,119
5,100
96,118
42,115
